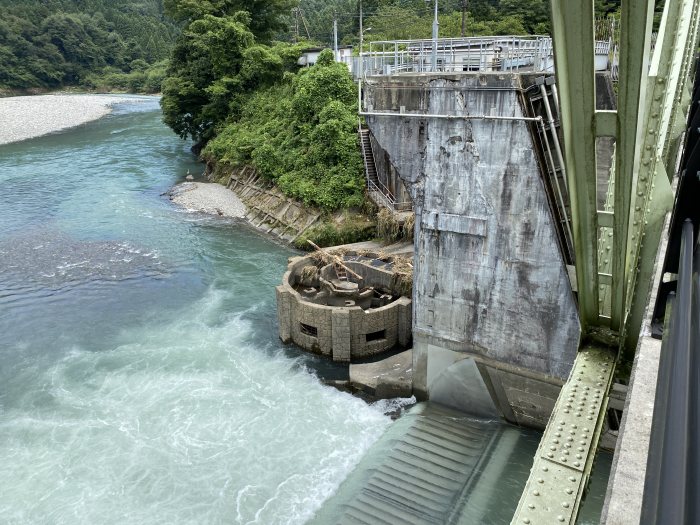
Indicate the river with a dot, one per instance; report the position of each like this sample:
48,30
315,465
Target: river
141,377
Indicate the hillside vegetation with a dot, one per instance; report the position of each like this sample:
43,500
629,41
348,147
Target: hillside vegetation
109,44
302,133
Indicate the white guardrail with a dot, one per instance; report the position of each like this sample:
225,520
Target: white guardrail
478,54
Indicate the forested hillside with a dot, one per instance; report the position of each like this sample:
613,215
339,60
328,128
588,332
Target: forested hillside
399,19
51,44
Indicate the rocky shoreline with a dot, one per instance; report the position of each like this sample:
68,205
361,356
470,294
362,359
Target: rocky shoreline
208,197
34,116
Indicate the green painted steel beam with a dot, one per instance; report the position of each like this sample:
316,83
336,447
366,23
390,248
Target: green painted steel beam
669,75
572,31
564,459
635,38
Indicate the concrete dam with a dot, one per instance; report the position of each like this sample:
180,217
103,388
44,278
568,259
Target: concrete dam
496,326
548,252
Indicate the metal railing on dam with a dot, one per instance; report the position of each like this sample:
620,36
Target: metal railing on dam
472,54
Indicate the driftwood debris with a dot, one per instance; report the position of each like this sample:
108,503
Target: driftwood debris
330,258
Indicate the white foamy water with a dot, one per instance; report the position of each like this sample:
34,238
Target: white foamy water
142,380
191,424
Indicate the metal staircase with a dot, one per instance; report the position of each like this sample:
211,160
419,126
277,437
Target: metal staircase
542,102
378,192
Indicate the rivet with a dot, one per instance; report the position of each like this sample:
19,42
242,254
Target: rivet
577,464
526,520
535,492
545,469
569,491
540,480
563,459
531,506
565,505
560,517
572,479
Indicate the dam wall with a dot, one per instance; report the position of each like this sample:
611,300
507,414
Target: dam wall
495,323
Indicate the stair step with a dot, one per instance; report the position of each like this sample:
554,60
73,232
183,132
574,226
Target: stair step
394,513
423,488
423,469
404,502
402,491
357,516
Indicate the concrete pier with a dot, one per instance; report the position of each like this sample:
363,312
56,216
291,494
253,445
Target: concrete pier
500,339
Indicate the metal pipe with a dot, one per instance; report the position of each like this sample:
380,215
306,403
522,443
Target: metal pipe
448,117
557,147
435,37
667,494
560,196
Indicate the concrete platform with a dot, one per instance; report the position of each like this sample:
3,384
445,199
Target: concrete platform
391,377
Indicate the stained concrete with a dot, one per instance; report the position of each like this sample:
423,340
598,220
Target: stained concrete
342,333
385,379
490,281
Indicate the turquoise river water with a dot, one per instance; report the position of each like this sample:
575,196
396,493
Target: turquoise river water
141,377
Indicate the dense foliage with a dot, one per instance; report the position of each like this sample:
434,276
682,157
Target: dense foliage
219,60
398,19
58,43
302,133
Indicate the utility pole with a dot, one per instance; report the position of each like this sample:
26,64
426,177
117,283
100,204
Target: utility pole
465,3
361,27
335,39
295,11
436,24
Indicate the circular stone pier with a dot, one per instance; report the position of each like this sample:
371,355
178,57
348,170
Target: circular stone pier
346,305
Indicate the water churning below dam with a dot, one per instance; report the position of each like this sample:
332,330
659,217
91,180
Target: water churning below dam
141,377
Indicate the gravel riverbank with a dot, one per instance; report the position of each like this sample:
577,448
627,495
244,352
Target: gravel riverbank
208,197
24,118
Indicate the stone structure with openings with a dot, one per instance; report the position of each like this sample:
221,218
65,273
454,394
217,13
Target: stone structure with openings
347,311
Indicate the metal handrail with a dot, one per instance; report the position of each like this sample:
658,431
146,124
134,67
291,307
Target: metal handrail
671,490
386,196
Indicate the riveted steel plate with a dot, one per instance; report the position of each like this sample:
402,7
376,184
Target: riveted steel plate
550,494
564,458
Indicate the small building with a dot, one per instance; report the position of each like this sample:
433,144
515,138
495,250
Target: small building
348,311
310,55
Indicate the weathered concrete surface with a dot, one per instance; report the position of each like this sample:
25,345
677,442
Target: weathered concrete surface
489,279
385,379
623,505
342,333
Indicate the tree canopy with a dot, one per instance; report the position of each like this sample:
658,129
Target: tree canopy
56,43
215,65
302,133
265,16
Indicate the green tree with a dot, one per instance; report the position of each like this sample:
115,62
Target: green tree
300,132
266,16
55,43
